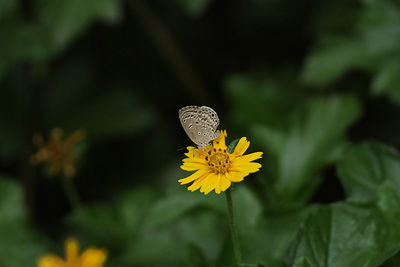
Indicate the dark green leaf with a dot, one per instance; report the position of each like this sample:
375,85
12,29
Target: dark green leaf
346,235
57,25
68,87
388,201
13,122
7,7
378,26
121,219
312,141
65,20
16,238
172,207
154,248
263,98
164,246
116,113
302,262
392,262
19,244
247,208
233,145
367,166
196,257
206,229
387,80
194,7
266,242
11,207
271,139
13,49
330,62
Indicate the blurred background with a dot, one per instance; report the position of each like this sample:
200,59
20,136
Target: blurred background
303,80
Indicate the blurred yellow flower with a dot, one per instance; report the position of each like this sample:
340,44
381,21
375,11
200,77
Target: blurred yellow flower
91,257
58,154
216,168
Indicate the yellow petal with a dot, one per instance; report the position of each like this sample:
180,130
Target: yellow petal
197,184
189,169
250,157
193,177
190,166
248,167
209,184
93,257
222,135
219,142
241,146
217,184
50,261
235,176
190,152
224,183
195,160
71,249
195,153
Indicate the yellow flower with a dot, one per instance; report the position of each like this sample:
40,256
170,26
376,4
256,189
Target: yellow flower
91,257
216,168
57,153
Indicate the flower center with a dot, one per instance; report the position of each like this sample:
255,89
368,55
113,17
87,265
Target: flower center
218,162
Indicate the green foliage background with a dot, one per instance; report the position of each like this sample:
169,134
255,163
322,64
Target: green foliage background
315,85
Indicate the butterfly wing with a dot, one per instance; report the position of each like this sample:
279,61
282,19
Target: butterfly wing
199,123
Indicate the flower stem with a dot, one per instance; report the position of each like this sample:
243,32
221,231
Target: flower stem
71,193
232,226
168,47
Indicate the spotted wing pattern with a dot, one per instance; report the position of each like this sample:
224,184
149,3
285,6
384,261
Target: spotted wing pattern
199,123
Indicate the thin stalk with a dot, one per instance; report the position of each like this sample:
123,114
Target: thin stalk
232,226
71,193
35,76
170,50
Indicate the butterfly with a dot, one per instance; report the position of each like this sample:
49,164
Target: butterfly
200,124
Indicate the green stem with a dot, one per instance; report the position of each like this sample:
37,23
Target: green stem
232,226
71,193
170,50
